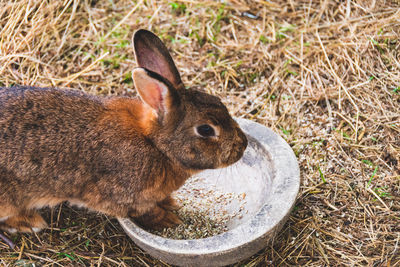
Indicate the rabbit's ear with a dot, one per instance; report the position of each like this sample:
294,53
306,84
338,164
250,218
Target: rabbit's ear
155,91
152,54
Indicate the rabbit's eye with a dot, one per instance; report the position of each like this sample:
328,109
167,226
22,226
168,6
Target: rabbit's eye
205,130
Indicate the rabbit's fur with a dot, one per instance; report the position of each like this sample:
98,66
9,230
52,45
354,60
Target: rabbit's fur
116,155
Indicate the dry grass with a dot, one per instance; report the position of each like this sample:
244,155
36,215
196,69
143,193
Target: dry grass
323,74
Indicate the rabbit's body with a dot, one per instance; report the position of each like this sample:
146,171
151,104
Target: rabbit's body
78,145
116,155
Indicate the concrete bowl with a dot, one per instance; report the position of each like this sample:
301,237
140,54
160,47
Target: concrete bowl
268,175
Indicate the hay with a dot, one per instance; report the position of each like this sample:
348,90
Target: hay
323,74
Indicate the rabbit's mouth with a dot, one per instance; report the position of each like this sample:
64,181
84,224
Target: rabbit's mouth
236,152
234,156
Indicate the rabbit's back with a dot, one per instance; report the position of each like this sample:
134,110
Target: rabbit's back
44,114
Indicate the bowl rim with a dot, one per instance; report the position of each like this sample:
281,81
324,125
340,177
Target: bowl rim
270,213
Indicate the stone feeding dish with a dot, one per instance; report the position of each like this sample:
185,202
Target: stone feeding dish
267,179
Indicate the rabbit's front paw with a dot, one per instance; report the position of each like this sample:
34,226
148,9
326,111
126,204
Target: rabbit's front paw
158,218
170,219
26,222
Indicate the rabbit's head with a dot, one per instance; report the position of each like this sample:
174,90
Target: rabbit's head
190,127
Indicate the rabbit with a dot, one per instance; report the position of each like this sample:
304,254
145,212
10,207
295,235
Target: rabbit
121,156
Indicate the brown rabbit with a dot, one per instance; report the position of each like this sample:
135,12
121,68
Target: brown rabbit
116,155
